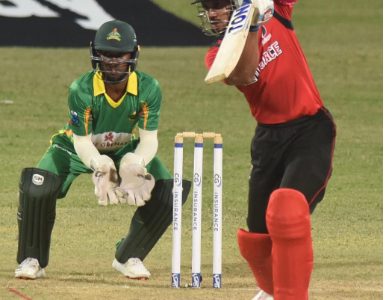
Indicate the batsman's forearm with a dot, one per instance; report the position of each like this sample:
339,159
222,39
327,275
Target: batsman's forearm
85,148
244,72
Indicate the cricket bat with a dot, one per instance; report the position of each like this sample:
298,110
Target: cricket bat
232,44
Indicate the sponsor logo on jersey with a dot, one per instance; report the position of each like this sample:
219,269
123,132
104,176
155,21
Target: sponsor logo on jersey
114,35
270,54
110,141
265,36
108,137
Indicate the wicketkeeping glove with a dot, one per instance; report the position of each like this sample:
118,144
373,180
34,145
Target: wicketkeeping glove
136,183
105,179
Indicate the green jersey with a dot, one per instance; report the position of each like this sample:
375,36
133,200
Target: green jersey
111,123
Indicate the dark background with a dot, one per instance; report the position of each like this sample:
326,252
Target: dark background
154,26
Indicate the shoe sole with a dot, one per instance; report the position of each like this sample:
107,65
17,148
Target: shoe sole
118,268
25,277
40,274
138,278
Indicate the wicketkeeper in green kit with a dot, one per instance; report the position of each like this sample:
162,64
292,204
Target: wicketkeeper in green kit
105,105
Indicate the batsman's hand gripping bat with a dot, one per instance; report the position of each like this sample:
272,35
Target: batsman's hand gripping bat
232,44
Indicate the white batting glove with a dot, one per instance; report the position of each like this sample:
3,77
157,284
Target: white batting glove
264,11
105,179
136,183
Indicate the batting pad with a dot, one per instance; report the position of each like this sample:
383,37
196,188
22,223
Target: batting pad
288,223
256,248
38,190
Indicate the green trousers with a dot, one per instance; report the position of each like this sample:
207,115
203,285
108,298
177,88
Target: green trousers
62,160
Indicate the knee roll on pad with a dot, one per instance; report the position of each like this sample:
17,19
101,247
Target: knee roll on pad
38,190
288,214
150,221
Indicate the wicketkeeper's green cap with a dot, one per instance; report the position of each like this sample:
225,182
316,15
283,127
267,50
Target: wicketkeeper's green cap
115,36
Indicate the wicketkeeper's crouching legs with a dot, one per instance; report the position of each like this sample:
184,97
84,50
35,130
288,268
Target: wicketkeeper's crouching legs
38,191
150,221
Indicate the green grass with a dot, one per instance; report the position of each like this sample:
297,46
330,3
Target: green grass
182,9
343,44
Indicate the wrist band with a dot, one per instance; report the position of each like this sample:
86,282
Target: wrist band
254,28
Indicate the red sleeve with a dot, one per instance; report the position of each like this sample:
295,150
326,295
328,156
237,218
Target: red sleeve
285,2
285,7
211,54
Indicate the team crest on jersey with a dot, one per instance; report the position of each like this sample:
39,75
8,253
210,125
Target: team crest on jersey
74,120
114,35
265,35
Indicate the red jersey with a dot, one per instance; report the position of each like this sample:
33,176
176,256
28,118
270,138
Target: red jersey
285,88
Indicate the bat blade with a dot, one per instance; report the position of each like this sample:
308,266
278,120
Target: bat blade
232,44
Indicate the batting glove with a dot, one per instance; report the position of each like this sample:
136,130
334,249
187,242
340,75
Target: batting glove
264,10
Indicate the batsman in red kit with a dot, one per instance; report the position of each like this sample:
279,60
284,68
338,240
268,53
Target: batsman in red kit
291,150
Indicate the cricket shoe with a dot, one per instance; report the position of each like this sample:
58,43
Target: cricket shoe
133,268
29,269
261,295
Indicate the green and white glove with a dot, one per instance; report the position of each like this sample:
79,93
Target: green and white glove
105,179
136,183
